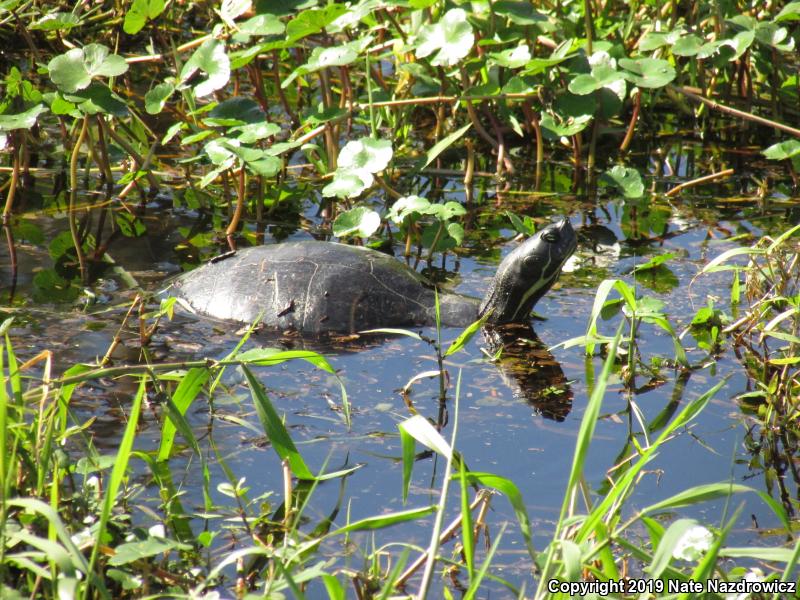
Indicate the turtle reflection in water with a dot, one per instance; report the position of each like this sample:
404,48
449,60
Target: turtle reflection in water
318,288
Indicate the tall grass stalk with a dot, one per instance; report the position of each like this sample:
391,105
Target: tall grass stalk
433,547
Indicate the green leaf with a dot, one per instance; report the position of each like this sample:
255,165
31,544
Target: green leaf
211,59
347,184
626,179
366,154
519,13
512,58
139,13
421,430
359,221
648,72
56,21
466,335
156,98
273,427
386,520
783,150
186,392
688,45
132,551
510,490
446,211
407,446
601,76
790,12
671,537
456,231
312,21
265,24
23,120
254,132
232,9
323,58
564,128
451,39
75,69
98,98
239,110
408,206
714,491
443,145
654,262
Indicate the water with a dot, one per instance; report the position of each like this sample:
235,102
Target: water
498,431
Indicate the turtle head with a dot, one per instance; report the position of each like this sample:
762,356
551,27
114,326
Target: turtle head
527,273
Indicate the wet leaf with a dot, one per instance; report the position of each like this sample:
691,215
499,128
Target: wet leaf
359,221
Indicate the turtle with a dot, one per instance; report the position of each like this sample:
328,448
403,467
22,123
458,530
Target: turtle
318,287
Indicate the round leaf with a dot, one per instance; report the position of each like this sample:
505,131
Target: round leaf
366,154
626,179
407,206
648,72
74,70
451,38
347,184
360,221
210,58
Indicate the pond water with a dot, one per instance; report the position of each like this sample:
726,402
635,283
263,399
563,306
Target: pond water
499,430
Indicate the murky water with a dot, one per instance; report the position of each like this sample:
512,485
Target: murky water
498,431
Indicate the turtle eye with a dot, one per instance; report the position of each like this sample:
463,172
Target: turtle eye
550,236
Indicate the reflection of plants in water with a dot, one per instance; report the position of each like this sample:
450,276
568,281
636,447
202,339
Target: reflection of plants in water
773,455
265,92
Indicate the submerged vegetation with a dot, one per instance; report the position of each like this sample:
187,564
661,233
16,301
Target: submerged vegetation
407,123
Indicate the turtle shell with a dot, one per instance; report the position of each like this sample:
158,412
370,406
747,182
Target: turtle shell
313,287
